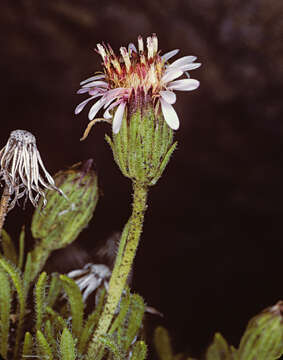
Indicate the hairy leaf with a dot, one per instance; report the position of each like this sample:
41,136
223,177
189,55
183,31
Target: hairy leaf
162,344
15,276
54,289
21,248
139,351
108,342
39,294
27,347
90,324
5,309
76,303
134,320
8,247
44,348
67,346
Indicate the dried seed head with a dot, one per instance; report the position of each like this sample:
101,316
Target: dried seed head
22,169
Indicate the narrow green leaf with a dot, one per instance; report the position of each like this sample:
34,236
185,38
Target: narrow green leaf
90,324
54,289
76,303
122,244
162,344
108,342
27,347
18,284
21,248
134,320
44,348
8,248
124,307
57,320
67,346
5,309
139,351
50,336
27,273
39,294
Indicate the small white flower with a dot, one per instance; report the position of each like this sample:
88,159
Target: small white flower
22,169
137,72
90,277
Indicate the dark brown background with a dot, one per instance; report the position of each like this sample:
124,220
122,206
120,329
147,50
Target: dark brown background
211,250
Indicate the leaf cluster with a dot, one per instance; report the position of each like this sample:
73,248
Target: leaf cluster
47,320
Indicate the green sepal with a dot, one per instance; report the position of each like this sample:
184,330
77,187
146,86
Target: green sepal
67,346
5,310
219,349
8,248
163,164
43,347
76,303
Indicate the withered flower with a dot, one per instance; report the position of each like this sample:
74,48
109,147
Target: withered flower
22,169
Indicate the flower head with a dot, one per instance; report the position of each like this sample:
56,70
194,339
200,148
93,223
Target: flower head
21,168
90,278
137,72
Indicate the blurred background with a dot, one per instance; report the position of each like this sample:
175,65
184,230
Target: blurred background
211,250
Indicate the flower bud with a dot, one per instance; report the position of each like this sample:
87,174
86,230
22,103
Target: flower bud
64,218
144,144
263,338
219,349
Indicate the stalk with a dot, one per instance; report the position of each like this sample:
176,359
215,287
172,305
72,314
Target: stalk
4,203
122,267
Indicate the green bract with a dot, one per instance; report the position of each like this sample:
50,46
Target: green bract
64,218
144,144
263,338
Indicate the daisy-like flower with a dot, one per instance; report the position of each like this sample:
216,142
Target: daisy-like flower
141,70
93,276
90,277
21,168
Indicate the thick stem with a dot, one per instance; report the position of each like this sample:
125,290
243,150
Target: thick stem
4,203
121,269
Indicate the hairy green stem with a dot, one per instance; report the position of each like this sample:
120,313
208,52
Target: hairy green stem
122,267
4,203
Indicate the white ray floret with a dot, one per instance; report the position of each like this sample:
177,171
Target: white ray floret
90,278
